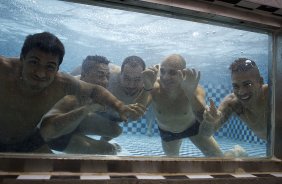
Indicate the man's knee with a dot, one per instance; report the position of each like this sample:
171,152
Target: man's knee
117,130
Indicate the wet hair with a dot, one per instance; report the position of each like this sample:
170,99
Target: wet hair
46,42
133,61
242,65
91,61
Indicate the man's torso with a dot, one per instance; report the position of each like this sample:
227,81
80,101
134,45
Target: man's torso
173,114
21,112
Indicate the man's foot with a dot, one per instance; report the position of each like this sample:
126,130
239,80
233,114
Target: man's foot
236,152
117,147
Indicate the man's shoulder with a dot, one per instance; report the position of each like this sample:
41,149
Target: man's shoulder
232,104
67,81
200,90
64,77
114,80
114,69
231,100
9,61
230,97
9,66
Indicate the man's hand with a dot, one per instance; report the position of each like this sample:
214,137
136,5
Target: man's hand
211,119
189,80
132,112
149,77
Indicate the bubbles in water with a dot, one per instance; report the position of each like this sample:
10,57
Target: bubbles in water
195,34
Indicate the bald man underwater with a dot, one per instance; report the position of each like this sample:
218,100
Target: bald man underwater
178,103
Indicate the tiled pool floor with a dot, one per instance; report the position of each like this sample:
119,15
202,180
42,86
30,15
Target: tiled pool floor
142,145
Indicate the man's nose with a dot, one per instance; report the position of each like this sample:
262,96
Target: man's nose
40,72
241,91
132,84
165,76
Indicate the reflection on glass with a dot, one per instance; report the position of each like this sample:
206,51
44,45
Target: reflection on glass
88,30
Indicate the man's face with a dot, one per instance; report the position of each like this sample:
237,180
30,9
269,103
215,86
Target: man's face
39,69
169,75
131,79
246,86
99,74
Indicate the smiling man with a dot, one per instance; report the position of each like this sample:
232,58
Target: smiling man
127,83
249,100
31,85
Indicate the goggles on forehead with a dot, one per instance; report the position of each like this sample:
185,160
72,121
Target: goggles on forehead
243,66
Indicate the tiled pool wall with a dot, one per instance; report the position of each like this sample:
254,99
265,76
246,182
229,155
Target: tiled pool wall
234,129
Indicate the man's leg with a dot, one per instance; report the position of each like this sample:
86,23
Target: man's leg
207,145
81,144
150,119
172,148
100,126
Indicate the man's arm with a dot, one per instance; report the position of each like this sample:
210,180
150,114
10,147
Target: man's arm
214,118
64,117
194,92
226,108
102,96
149,77
198,103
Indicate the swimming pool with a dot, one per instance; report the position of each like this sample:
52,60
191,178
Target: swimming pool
208,48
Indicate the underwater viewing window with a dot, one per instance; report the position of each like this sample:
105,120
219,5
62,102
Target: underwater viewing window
89,28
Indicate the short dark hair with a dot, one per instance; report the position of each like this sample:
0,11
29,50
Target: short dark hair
133,61
90,61
242,65
46,42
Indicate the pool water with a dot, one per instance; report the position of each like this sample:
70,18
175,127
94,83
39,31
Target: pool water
142,145
207,48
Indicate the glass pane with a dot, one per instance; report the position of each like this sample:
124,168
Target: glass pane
116,34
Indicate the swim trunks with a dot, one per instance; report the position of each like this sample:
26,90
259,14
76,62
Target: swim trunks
189,132
60,143
30,144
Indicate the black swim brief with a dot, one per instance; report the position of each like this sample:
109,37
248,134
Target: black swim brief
189,132
30,144
60,143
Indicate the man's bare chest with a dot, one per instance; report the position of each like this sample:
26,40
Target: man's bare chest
255,119
170,107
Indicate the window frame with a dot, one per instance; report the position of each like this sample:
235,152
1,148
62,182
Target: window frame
195,11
